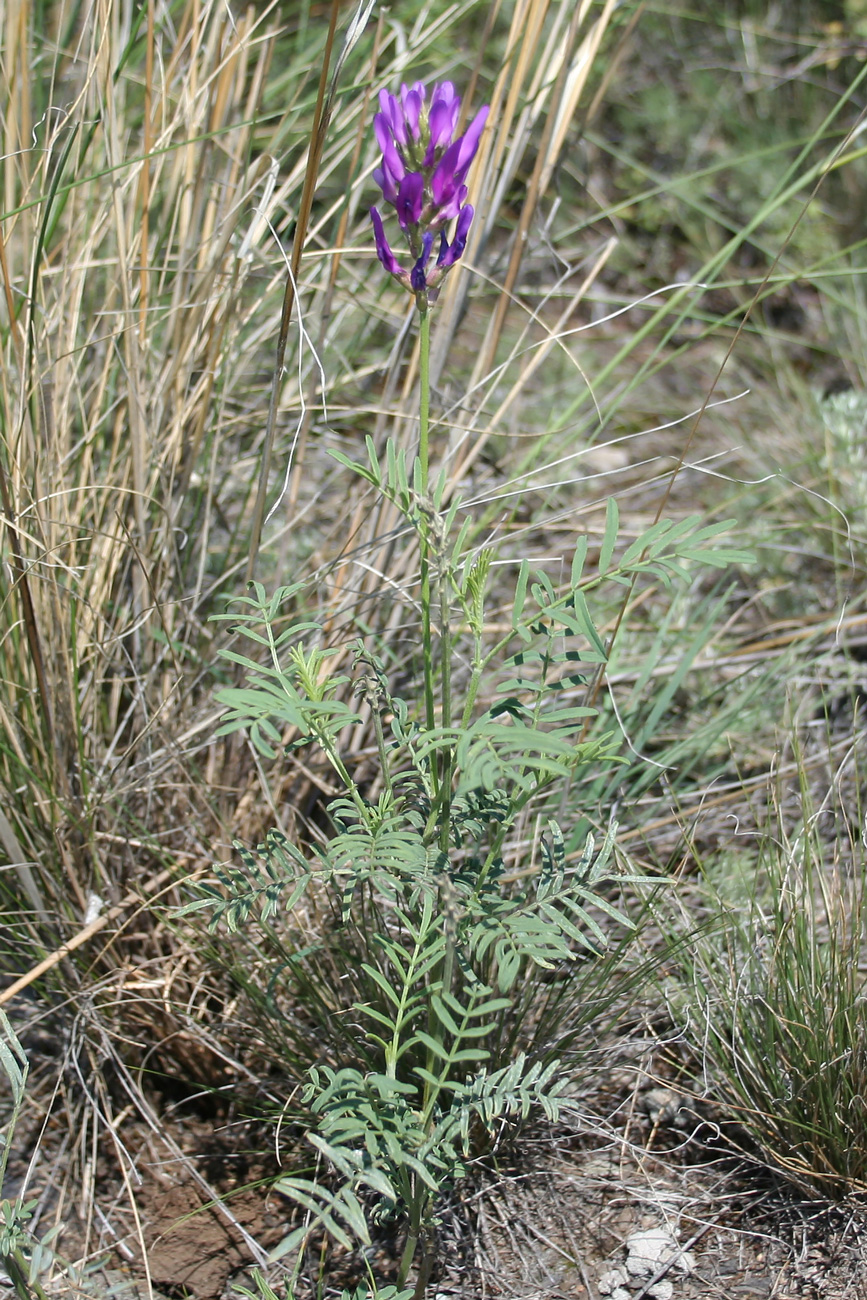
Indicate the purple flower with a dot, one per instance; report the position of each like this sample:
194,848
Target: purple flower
422,176
383,251
417,276
442,118
385,137
410,200
449,253
411,99
455,162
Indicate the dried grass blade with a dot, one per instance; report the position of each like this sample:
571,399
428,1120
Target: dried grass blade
321,117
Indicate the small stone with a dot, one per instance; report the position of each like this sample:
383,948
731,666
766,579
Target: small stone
610,1281
662,1290
661,1105
649,1251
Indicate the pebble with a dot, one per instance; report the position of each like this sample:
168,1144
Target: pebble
662,1290
665,1107
650,1250
612,1281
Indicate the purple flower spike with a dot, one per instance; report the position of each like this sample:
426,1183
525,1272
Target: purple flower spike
444,92
445,99
455,162
441,122
455,204
422,176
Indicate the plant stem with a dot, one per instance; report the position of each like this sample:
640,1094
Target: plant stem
425,1268
424,534
446,770
407,1256
16,1266
424,398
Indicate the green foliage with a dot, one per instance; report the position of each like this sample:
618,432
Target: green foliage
436,1023
22,1257
372,1292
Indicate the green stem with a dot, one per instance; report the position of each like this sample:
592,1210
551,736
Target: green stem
407,1257
446,1067
424,540
16,1266
425,1268
446,684
424,398
419,1233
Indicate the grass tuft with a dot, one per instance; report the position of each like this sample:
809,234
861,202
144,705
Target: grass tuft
773,996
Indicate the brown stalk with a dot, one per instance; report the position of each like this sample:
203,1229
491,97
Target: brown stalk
612,65
87,932
470,93
135,405
145,191
17,140
325,316
321,117
14,326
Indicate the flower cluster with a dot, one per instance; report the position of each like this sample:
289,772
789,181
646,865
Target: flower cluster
422,176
